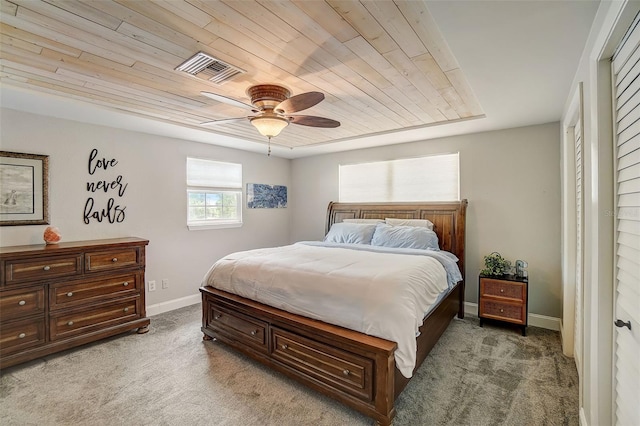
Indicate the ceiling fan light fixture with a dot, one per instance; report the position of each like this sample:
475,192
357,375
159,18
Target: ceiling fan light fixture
269,126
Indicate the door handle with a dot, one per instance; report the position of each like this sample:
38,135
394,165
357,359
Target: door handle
620,323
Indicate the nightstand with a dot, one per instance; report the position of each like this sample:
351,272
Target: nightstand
504,298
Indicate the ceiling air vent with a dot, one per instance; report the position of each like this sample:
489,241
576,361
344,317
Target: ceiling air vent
211,68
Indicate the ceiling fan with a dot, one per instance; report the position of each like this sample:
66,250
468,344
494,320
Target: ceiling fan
275,108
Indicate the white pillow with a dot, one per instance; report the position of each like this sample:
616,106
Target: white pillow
405,237
422,223
350,233
374,221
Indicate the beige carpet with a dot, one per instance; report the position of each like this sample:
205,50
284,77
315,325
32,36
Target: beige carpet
474,376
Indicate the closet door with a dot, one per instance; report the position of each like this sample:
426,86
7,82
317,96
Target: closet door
577,347
626,92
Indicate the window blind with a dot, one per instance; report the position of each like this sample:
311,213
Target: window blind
432,178
213,174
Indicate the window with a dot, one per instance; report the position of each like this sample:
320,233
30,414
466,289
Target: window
214,194
432,178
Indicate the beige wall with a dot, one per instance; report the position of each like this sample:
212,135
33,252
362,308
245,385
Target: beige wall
511,179
155,199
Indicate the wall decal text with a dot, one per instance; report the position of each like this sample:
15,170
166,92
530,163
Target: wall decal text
114,188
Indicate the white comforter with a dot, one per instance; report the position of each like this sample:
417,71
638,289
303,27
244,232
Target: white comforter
379,294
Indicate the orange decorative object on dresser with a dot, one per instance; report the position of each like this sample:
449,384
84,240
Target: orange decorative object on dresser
52,235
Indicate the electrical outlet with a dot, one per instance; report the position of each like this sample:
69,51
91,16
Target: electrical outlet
152,285
165,283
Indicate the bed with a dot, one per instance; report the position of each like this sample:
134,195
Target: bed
352,367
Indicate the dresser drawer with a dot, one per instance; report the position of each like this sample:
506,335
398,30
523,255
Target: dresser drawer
348,372
112,259
500,288
18,335
66,325
515,313
63,295
20,303
18,271
238,327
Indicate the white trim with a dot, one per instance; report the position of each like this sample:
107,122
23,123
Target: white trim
583,417
543,321
171,305
535,320
221,225
573,116
470,309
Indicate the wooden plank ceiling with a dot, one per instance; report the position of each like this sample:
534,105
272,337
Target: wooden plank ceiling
382,65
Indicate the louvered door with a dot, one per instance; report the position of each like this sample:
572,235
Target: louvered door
626,92
577,134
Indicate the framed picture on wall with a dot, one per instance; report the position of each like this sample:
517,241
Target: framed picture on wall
24,189
262,196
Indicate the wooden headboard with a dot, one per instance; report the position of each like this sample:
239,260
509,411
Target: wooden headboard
448,219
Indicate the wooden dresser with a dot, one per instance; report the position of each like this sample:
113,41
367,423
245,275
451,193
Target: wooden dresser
504,298
56,297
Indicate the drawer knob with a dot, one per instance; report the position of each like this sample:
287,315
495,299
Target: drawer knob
22,336
254,332
70,323
126,283
22,303
502,290
126,309
115,259
70,294
46,268
217,316
346,372
285,347
501,310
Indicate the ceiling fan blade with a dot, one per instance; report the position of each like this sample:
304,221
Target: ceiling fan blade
222,121
312,121
228,101
299,102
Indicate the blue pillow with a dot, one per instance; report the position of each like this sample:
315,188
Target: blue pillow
404,237
351,233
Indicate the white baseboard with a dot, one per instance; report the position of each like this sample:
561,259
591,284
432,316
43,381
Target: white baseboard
470,309
535,320
583,418
160,308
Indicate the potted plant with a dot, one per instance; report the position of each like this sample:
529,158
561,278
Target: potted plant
495,264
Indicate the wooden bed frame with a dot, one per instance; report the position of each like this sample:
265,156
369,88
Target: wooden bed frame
351,367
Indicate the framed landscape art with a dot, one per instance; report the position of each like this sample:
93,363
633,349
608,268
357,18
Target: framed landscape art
24,189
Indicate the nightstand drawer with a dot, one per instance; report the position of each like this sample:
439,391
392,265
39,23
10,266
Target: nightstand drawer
18,271
109,260
96,318
514,313
501,288
62,295
19,335
21,303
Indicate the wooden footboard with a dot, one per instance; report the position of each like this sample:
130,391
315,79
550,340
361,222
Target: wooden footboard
353,368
